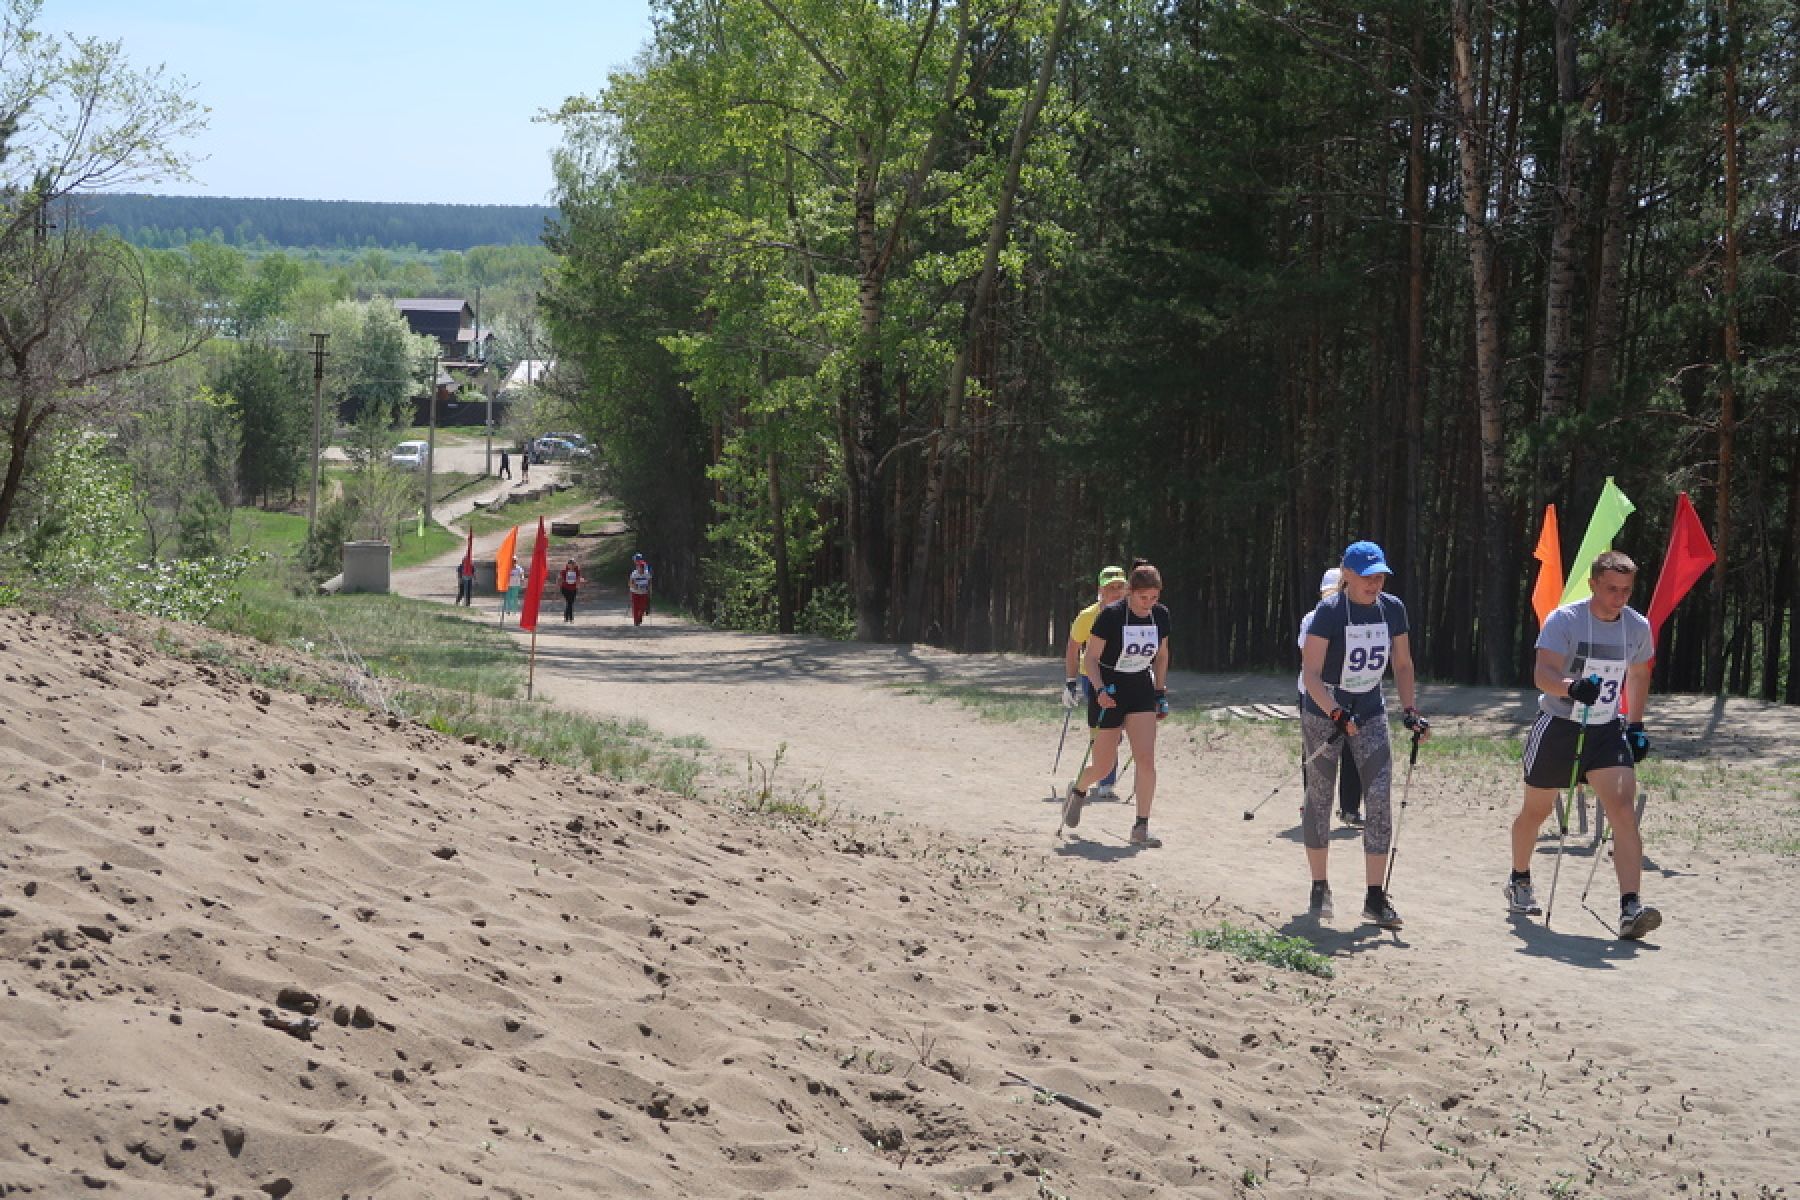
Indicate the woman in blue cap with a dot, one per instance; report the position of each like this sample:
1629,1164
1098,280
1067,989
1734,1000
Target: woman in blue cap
1354,637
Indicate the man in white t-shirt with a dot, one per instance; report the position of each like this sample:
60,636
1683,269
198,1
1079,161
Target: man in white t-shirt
1593,663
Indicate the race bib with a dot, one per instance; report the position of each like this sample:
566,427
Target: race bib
1612,678
1365,657
1137,646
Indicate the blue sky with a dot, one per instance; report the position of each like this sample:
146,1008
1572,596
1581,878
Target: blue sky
371,99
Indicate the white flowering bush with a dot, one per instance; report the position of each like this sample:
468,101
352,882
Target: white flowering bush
83,534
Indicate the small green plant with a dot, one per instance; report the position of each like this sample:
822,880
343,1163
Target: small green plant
1288,953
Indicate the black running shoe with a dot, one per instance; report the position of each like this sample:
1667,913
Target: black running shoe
1637,919
1379,909
1353,819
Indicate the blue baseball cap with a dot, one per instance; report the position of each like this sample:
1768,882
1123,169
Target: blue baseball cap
1366,558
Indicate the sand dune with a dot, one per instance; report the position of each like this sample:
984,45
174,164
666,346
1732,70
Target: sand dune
257,945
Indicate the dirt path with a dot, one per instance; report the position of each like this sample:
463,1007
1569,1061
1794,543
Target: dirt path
1707,1001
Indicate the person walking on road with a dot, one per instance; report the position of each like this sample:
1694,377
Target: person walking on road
1075,688
1591,655
1127,665
572,579
1349,782
1354,637
505,465
638,584
465,581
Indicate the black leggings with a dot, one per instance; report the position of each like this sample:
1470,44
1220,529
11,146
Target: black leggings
568,604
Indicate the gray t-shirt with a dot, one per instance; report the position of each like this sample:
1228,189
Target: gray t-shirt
1588,645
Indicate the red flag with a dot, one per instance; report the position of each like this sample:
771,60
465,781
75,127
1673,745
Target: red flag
1547,593
534,582
1690,553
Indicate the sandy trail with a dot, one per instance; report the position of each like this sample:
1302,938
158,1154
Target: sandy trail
1707,999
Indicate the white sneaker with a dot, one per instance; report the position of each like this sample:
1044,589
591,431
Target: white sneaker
1102,791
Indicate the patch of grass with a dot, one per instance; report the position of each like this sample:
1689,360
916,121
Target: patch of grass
457,676
526,512
413,640
610,748
1464,746
410,549
759,795
990,703
276,533
1288,953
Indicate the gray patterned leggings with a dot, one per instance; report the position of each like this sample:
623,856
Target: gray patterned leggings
1374,760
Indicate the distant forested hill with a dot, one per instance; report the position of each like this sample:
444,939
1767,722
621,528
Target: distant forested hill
168,221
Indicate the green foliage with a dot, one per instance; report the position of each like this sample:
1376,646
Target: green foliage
82,537
1288,953
79,533
268,394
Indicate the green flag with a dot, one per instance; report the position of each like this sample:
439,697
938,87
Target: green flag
1609,516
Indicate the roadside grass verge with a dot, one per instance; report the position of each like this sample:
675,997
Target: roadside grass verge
457,676
525,513
1277,950
989,703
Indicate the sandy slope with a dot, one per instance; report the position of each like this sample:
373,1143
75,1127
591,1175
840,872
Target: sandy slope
571,988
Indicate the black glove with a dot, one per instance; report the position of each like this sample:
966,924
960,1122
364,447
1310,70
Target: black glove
1638,740
1072,692
1162,703
1585,691
1410,718
1342,720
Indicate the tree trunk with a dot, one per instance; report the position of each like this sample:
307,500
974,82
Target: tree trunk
1496,587
939,465
1561,279
1415,324
1715,629
860,420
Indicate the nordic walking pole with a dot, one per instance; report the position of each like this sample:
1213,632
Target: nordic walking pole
1412,761
1066,715
1250,813
1562,837
1599,847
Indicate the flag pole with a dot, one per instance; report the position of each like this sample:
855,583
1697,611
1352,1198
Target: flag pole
531,669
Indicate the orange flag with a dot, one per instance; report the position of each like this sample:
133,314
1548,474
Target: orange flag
1547,594
503,559
534,581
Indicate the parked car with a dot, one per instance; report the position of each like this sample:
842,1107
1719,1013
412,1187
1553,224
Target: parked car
410,456
554,449
574,439
574,449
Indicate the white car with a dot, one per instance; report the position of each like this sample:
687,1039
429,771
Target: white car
410,456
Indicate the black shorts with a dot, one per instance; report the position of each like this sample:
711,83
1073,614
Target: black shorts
1550,750
1132,693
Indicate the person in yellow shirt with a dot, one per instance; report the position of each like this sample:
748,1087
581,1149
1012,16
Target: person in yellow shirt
1076,687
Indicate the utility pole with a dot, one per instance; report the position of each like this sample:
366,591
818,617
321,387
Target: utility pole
487,385
431,434
312,497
